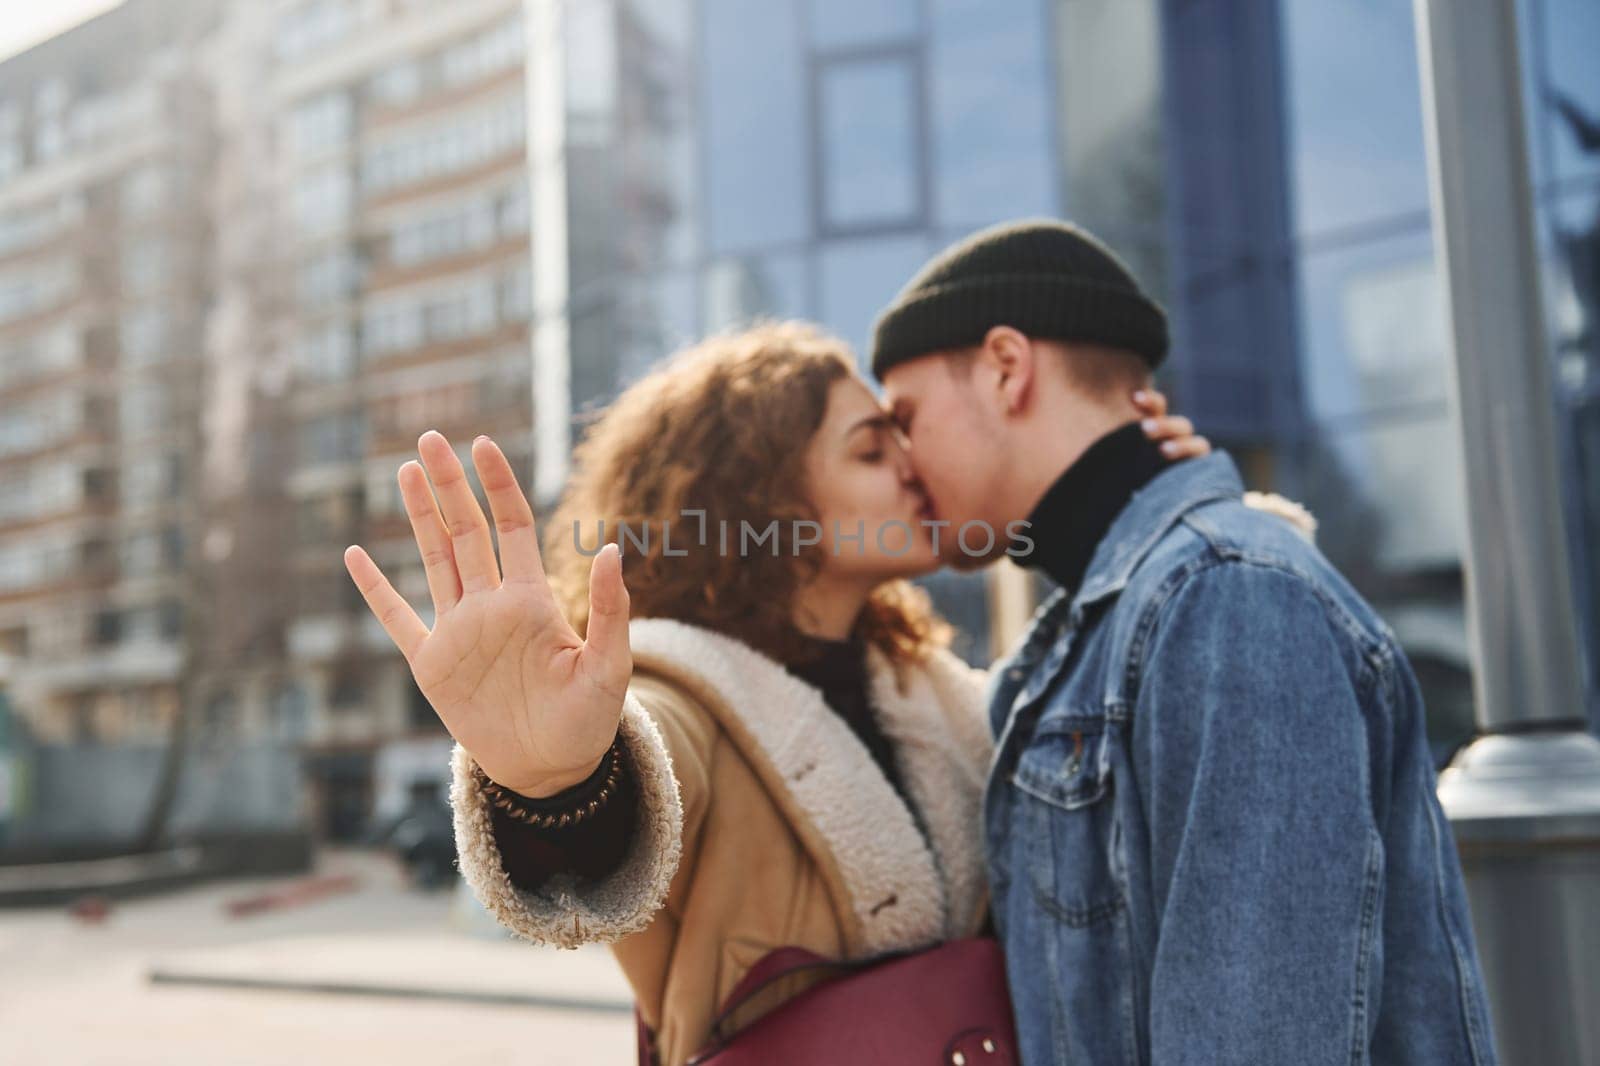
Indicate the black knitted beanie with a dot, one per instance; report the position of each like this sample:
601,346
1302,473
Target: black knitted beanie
1045,278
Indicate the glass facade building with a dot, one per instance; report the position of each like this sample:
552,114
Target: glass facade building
1260,166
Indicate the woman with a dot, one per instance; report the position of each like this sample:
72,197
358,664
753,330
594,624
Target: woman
779,750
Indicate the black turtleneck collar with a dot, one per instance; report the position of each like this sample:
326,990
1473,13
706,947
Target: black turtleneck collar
1076,512
838,669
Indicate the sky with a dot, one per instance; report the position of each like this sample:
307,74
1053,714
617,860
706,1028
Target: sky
24,23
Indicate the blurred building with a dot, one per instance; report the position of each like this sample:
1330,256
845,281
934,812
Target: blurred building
405,215
105,155
249,251
1302,270
1261,166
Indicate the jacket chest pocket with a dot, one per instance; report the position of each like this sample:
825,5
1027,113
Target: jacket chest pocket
1067,822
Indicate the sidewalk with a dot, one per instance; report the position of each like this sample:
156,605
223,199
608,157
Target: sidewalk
413,965
378,974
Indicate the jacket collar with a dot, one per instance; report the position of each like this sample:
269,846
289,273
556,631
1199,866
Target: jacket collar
1153,510
903,889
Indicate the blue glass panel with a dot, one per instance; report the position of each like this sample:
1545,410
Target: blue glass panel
871,169
990,90
852,23
1373,328
1571,246
859,278
736,291
753,108
1355,113
1561,46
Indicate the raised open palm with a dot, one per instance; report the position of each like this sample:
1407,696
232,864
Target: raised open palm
536,705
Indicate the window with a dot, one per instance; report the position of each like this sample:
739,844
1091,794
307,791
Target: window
990,91
859,278
49,139
150,624
438,316
327,518
99,120
321,123
151,478
140,554
383,487
396,85
516,295
871,143
31,227
1373,330
1562,87
335,438
852,23
326,354
322,201
483,54
145,408
758,190
291,711
326,279
511,209
1354,114
107,627
142,334
347,690
312,27
459,314
10,157
21,566
15,501
144,192
144,267
390,327
38,355
452,231
427,152
55,488
506,385
27,292
39,424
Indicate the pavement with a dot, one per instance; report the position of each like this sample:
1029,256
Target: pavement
349,965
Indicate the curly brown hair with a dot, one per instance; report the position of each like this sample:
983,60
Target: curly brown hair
722,428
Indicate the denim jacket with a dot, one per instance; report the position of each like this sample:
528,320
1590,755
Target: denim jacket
1211,825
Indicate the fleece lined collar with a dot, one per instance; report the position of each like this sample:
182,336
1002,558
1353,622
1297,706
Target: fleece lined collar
904,890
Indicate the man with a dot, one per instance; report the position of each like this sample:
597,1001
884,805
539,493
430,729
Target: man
1212,834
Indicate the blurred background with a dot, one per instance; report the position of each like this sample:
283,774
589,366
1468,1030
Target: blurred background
251,249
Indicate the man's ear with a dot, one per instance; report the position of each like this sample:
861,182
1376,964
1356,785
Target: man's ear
1011,358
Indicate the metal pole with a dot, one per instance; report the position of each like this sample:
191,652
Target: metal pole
1524,799
1484,226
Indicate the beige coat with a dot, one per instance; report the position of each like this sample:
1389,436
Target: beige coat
764,822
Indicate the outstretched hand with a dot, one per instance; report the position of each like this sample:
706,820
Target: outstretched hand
536,705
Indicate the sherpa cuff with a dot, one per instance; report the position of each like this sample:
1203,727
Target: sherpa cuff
568,911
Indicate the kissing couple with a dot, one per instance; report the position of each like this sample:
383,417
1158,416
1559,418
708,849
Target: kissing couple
1190,819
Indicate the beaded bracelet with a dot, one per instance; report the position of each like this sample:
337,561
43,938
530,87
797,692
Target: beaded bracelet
524,809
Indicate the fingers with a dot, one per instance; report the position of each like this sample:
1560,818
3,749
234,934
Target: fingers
463,518
1151,402
438,557
1168,427
606,654
1186,448
513,516
387,606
